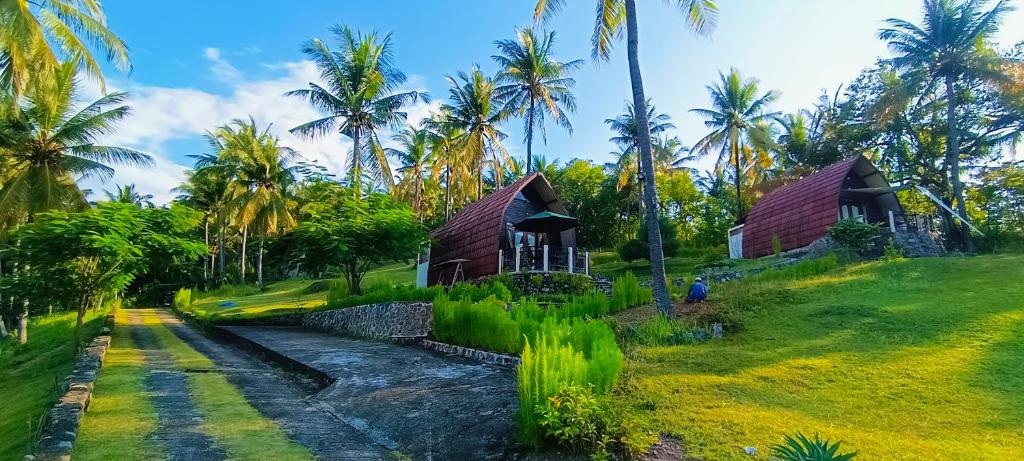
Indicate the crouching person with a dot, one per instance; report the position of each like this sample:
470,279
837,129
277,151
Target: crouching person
698,291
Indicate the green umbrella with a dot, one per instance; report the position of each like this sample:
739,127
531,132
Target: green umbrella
546,221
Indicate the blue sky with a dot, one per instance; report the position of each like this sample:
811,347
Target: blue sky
199,64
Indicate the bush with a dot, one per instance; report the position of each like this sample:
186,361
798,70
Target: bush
801,448
802,269
338,295
632,250
491,288
597,259
627,292
576,419
483,324
547,367
669,236
892,252
183,298
853,234
661,331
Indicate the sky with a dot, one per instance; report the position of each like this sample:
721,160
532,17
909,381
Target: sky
197,65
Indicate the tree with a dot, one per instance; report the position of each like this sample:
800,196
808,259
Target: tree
206,189
612,16
261,175
74,260
49,145
736,109
354,235
449,165
950,45
359,94
529,74
35,36
628,164
128,194
415,156
474,110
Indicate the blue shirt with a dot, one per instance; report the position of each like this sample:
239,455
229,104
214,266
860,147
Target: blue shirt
698,291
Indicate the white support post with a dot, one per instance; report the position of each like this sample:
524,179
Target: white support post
570,259
892,222
518,249
545,258
501,259
586,262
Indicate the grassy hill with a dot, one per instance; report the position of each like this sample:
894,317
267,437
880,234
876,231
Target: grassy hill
914,359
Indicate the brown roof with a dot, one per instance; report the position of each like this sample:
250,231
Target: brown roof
798,213
475,232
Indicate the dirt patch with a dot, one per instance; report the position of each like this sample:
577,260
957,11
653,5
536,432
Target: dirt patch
691,312
667,448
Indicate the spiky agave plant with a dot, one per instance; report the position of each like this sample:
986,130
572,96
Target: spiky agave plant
799,447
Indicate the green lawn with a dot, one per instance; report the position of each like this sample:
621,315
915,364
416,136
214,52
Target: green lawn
30,374
916,359
293,295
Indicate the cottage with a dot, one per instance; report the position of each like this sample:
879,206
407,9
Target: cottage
801,212
521,227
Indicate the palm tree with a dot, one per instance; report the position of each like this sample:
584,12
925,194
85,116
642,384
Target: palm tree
49,146
257,191
128,194
736,107
612,16
670,154
475,110
415,156
359,95
947,45
206,189
448,162
529,75
625,128
30,29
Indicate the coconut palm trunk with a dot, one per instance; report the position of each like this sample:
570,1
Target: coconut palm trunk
529,134
207,266
220,252
734,145
259,264
245,237
953,160
650,192
23,323
356,163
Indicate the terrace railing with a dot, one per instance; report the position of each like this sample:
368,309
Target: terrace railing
544,259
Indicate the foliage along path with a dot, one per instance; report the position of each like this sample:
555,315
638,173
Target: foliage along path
158,398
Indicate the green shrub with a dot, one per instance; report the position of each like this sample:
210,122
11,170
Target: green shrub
576,419
484,324
627,292
670,243
802,269
338,296
604,258
801,448
776,245
661,331
183,298
892,252
491,288
632,250
853,234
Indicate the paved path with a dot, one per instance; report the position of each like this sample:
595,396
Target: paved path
423,404
286,400
177,428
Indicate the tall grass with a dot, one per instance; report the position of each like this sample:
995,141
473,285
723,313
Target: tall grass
228,291
483,324
627,292
183,298
548,366
338,295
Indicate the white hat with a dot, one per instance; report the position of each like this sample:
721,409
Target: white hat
698,279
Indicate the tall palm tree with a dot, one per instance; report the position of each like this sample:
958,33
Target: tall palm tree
128,194
612,16
449,166
947,45
257,192
625,128
359,95
205,189
415,156
49,146
475,110
35,36
670,154
530,74
736,108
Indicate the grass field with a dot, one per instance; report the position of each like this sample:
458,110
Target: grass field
292,295
30,374
916,359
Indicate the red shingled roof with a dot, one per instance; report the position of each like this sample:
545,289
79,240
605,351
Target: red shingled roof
799,213
475,232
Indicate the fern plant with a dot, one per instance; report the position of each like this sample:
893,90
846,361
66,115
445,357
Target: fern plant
801,448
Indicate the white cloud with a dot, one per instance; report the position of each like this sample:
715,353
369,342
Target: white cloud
164,114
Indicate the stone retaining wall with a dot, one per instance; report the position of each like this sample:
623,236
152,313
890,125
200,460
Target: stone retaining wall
61,430
384,320
475,354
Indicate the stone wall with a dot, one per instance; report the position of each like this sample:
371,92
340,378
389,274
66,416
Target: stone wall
468,352
58,436
384,320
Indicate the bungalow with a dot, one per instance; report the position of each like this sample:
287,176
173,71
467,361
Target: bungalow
520,227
